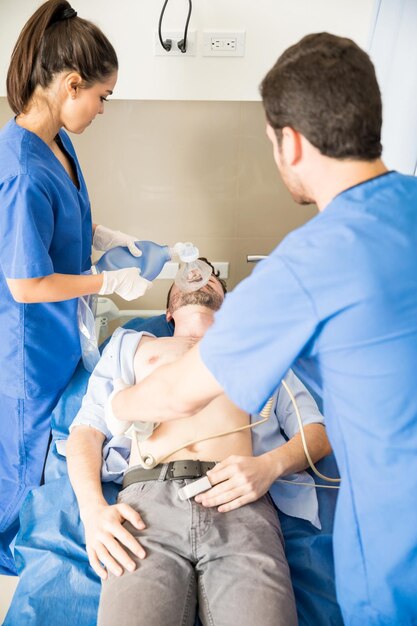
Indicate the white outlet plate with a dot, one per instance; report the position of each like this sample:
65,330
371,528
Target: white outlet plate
223,44
175,36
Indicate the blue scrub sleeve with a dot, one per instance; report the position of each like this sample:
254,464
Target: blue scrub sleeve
262,327
26,227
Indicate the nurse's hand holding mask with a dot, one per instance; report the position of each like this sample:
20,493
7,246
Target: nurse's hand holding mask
126,282
105,239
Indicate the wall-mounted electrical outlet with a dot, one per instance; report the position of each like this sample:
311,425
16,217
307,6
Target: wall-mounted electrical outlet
175,36
223,44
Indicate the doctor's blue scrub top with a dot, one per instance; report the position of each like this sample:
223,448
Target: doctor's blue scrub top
340,295
45,228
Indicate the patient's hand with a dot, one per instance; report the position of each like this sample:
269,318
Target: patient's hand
105,537
238,480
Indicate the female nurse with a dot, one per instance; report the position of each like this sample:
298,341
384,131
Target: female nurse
62,70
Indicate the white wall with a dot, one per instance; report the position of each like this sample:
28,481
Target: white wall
270,25
393,49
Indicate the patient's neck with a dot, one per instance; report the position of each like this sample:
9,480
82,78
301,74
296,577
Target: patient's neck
192,320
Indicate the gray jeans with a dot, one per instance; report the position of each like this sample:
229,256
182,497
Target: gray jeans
232,563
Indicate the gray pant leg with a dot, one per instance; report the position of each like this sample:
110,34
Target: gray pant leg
243,574
238,557
163,594
162,590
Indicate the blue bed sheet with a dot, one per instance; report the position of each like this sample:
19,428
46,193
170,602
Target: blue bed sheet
57,585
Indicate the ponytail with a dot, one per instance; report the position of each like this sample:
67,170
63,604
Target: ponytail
54,40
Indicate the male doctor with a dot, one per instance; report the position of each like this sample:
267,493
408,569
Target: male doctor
340,295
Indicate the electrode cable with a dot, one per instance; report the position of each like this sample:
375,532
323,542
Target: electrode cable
149,462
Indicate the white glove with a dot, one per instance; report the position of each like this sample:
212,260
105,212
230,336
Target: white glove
116,426
127,283
105,239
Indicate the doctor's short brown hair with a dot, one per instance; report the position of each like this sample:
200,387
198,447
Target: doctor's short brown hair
325,87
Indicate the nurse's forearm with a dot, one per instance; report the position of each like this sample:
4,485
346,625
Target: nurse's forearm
173,391
54,288
84,452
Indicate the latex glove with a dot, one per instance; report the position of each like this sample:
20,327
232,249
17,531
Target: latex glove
127,283
116,426
105,239
238,480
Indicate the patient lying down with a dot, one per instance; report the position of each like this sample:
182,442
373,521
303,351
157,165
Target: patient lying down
157,554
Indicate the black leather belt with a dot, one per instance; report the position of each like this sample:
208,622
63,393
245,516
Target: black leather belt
174,470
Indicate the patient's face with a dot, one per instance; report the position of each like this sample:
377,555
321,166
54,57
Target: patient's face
211,296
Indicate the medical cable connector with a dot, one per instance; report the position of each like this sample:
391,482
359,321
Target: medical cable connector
193,273
193,489
150,264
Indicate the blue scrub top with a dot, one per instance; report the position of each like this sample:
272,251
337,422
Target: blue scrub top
340,294
45,228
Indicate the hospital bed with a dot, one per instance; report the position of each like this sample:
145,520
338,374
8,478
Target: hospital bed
57,585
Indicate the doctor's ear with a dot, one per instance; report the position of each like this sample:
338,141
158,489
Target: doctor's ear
291,145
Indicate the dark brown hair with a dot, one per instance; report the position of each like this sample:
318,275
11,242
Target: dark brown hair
214,272
53,40
325,88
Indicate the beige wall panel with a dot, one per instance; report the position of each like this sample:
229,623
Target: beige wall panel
178,171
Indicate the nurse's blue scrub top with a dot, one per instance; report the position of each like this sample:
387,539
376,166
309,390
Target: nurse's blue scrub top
341,294
45,228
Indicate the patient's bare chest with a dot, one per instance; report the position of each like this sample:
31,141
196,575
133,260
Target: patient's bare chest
158,352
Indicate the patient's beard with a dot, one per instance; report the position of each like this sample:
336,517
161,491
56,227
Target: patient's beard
204,297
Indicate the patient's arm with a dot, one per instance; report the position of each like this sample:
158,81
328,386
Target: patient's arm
239,480
104,533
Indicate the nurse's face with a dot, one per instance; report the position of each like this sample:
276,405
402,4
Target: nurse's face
288,174
82,104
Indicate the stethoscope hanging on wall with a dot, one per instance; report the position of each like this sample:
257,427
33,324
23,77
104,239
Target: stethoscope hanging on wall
167,43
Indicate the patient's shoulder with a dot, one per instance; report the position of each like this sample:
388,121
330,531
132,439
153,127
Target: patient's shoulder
145,345
148,345
125,342
146,339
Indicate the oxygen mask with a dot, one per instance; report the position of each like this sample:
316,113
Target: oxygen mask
193,273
